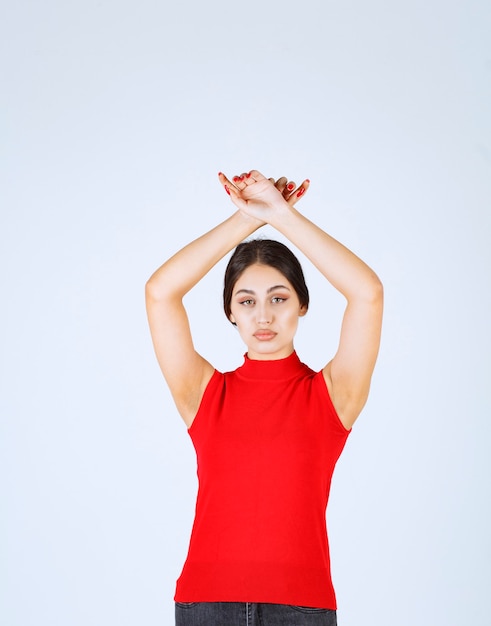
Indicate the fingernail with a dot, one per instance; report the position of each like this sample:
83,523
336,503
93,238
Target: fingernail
248,175
220,174
290,186
307,180
300,192
227,189
236,179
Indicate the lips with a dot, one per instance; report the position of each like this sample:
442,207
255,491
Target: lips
264,335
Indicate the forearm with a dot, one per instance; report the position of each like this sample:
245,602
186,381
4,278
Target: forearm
187,267
342,268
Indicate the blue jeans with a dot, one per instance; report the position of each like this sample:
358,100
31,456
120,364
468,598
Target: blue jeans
251,614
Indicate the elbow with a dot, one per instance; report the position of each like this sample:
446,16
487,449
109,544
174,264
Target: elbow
373,289
152,290
377,288
377,291
160,290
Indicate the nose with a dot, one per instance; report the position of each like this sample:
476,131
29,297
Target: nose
263,314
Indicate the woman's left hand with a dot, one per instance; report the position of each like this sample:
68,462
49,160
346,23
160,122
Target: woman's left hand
257,196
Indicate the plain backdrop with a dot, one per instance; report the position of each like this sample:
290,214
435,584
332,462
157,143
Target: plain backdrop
115,118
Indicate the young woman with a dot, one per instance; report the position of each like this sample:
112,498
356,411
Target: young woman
267,435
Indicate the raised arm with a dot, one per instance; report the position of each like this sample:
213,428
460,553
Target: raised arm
348,373
187,373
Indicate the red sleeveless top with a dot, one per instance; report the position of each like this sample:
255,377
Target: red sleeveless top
267,439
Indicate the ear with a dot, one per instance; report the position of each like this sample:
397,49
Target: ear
303,310
232,319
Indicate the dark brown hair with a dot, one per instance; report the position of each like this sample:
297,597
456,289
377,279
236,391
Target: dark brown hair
264,252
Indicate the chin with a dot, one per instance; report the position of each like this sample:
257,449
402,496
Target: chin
269,352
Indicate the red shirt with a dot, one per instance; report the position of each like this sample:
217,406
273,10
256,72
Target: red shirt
267,439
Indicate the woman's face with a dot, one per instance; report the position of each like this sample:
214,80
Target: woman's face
266,309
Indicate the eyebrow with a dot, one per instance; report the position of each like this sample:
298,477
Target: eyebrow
252,293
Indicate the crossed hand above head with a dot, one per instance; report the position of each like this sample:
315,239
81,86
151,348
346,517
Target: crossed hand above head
256,195
245,185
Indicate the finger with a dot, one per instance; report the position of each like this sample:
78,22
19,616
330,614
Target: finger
299,192
223,179
249,178
257,176
280,184
226,183
288,188
233,192
240,181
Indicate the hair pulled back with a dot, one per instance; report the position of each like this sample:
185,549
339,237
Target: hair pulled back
264,252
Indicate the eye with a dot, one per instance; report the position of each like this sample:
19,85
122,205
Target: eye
247,302
278,299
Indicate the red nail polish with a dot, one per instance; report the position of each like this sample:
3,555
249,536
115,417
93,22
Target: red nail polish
236,179
220,174
307,180
227,189
248,175
290,186
300,192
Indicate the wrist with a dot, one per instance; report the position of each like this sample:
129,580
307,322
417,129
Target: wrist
281,213
248,220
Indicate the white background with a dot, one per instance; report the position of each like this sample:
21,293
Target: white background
115,118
